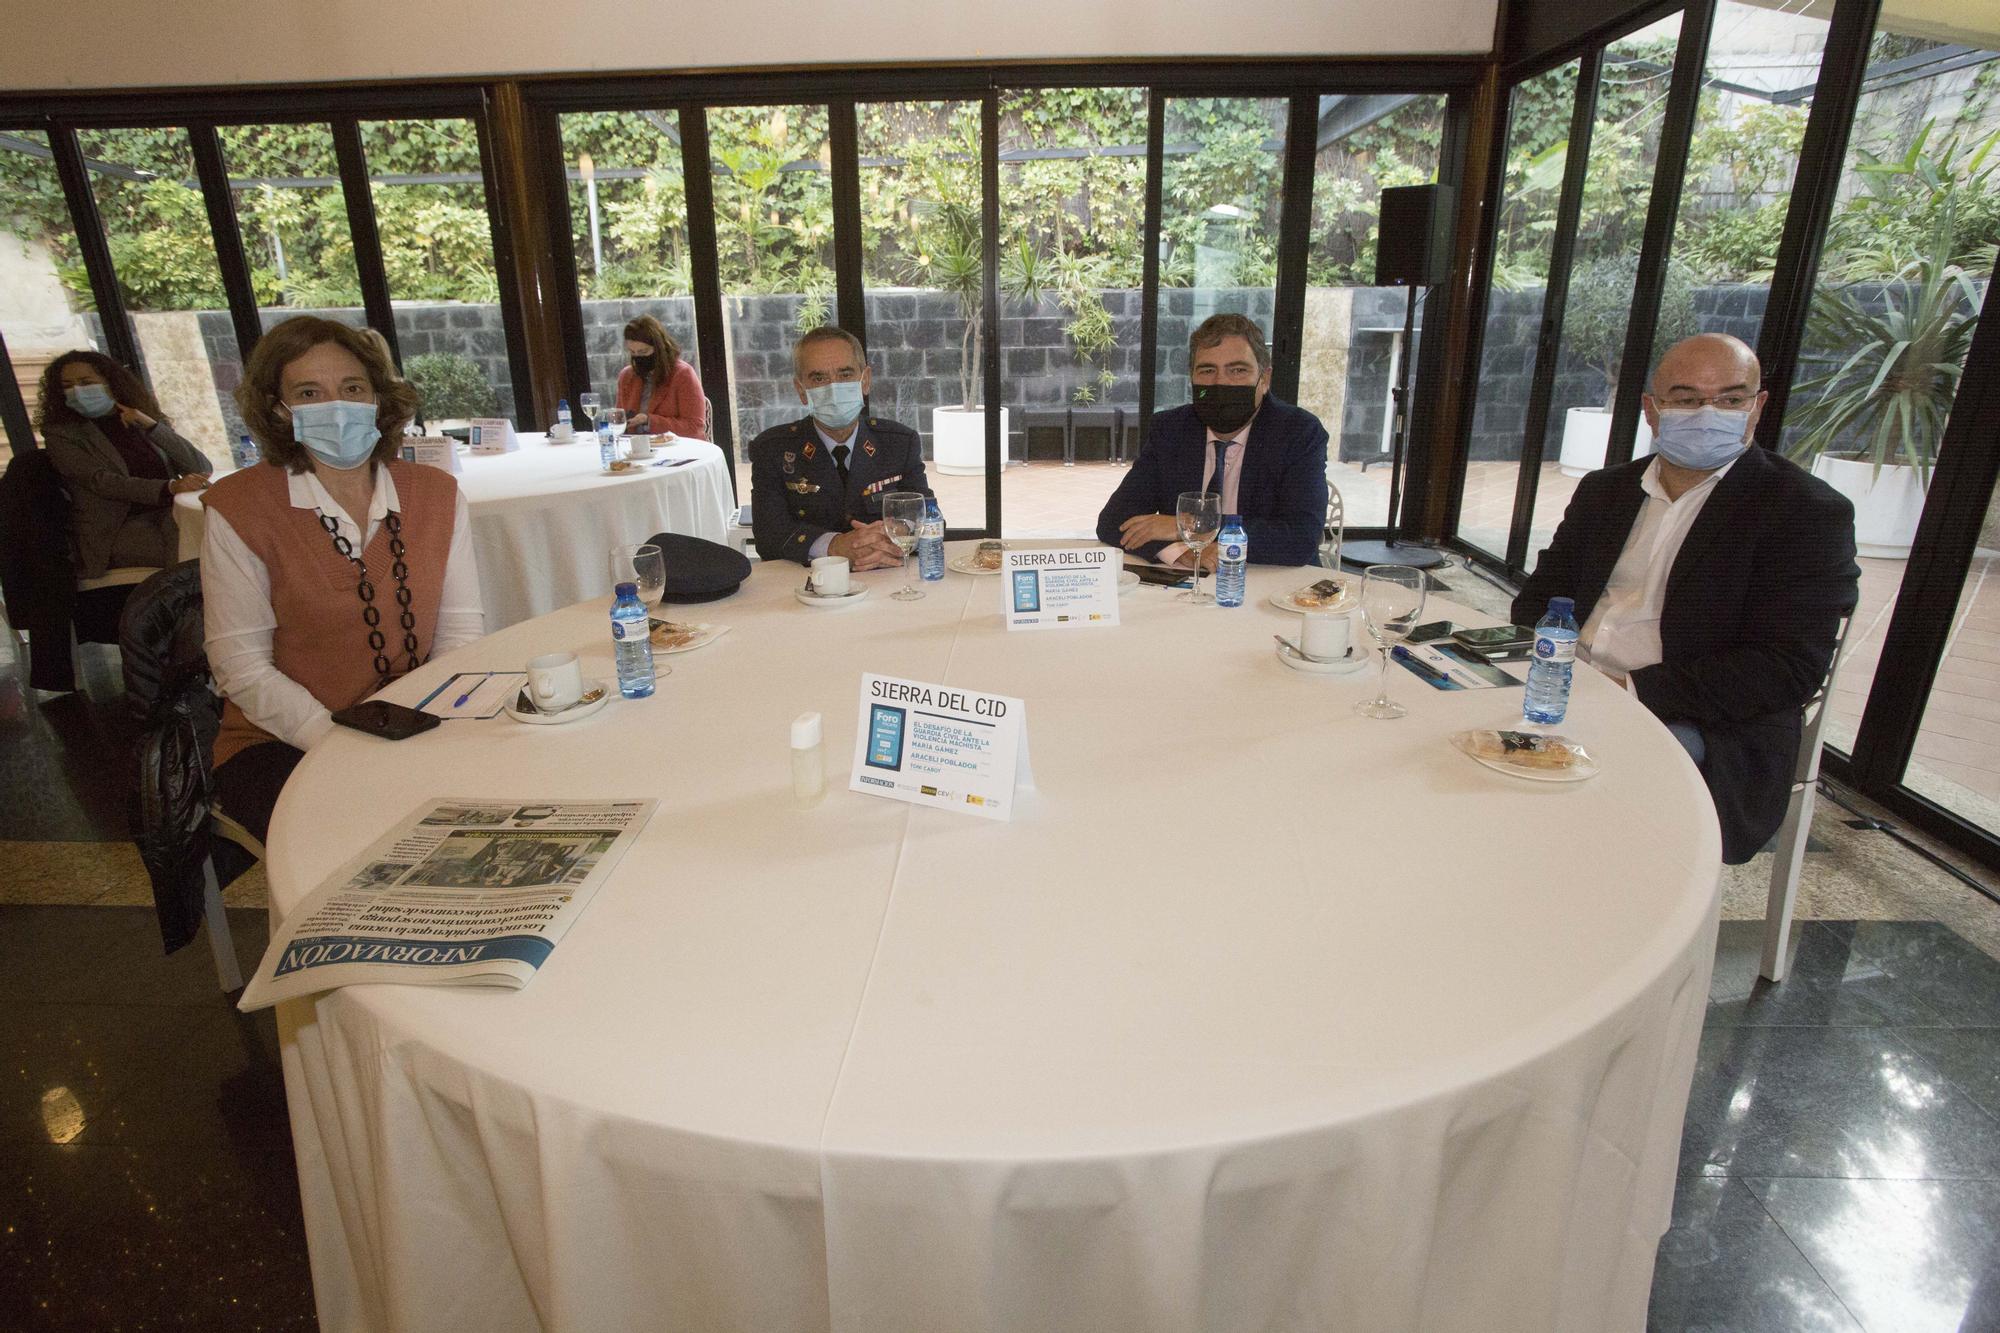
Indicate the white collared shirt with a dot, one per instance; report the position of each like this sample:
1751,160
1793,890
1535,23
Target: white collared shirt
240,625
1232,473
1623,632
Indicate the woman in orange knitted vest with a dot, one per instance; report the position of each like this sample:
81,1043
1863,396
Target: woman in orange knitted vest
332,567
659,391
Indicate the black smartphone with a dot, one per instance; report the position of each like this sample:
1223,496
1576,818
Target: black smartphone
1437,629
1495,637
392,722
1167,575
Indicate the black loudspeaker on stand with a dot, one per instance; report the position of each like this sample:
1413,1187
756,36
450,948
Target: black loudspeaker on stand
1413,250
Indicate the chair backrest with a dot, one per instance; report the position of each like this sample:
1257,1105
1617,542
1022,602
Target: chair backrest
707,417
1806,769
1335,531
160,637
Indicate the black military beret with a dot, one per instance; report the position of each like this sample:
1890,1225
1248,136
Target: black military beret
699,571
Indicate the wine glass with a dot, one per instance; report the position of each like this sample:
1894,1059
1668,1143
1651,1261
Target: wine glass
1198,515
590,403
614,417
1392,602
645,565
902,515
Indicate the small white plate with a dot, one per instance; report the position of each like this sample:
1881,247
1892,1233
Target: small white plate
852,595
1291,657
1127,581
1581,771
963,564
1349,591
574,713
704,635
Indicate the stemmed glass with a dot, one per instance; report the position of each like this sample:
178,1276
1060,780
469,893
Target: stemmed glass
1392,602
645,565
902,515
590,403
1198,515
614,417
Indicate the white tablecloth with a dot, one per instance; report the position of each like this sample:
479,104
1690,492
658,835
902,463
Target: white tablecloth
1258,1015
545,517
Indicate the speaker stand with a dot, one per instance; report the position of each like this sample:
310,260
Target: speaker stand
1395,551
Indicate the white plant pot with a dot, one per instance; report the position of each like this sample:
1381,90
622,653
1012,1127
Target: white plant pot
1886,507
1587,432
958,440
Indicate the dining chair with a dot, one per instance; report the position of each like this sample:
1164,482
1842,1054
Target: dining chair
1790,843
1335,531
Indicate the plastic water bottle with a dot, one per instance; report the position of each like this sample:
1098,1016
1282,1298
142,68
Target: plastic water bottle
607,446
246,453
632,641
562,415
1547,700
930,542
1232,561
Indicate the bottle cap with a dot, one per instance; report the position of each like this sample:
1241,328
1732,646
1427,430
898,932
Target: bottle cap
1232,520
627,590
805,731
1562,606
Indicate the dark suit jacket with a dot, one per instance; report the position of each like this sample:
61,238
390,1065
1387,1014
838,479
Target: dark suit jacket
103,492
795,490
1747,628
1281,492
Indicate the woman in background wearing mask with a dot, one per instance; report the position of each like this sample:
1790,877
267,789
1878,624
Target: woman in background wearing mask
659,391
122,463
331,568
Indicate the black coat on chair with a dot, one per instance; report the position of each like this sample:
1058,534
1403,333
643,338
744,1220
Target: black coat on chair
37,568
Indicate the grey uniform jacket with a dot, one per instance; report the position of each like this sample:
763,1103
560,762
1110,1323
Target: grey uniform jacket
795,490
102,489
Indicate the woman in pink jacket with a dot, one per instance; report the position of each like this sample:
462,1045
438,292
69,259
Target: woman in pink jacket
659,391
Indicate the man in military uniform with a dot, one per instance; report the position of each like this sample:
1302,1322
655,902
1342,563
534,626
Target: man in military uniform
816,484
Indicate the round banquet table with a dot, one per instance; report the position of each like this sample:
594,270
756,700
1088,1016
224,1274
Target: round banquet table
1259,1014
545,517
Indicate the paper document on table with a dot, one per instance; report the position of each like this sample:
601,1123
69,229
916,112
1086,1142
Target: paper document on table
464,892
473,694
1448,666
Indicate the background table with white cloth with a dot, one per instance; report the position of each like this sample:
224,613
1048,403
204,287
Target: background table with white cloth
545,517
1258,1015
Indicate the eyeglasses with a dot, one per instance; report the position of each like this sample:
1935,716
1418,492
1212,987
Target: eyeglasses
1734,401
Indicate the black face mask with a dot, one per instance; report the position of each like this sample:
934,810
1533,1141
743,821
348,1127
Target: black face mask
1223,408
643,364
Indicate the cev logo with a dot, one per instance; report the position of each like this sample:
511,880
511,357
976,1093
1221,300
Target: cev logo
1545,647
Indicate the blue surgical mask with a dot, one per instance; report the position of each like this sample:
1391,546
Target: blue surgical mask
340,434
91,400
1702,439
837,404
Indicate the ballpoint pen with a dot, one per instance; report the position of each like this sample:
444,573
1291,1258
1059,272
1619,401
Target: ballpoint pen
1421,667
459,702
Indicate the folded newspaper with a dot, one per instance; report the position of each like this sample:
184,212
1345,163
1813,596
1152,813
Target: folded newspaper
462,893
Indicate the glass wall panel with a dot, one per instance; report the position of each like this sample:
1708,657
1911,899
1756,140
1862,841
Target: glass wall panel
1537,138
437,250
157,227
293,217
923,276
1907,259
1220,181
628,224
774,253
44,293
1353,340
1957,758
1617,187
1072,214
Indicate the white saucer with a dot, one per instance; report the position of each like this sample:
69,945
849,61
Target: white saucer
849,598
575,713
1127,581
963,564
1354,661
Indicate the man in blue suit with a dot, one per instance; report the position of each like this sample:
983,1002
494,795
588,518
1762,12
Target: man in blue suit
1266,458
816,484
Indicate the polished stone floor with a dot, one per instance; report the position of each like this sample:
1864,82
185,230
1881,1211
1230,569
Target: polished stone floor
1840,1166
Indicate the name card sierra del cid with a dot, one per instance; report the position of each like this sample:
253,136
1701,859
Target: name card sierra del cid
438,451
1061,587
948,748
493,435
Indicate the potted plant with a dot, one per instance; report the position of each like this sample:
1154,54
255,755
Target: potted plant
1870,425
450,388
1600,304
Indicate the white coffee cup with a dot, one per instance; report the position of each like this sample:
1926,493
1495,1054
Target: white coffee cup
829,575
555,680
638,447
1324,635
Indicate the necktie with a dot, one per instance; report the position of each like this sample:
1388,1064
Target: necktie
840,452
1221,468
